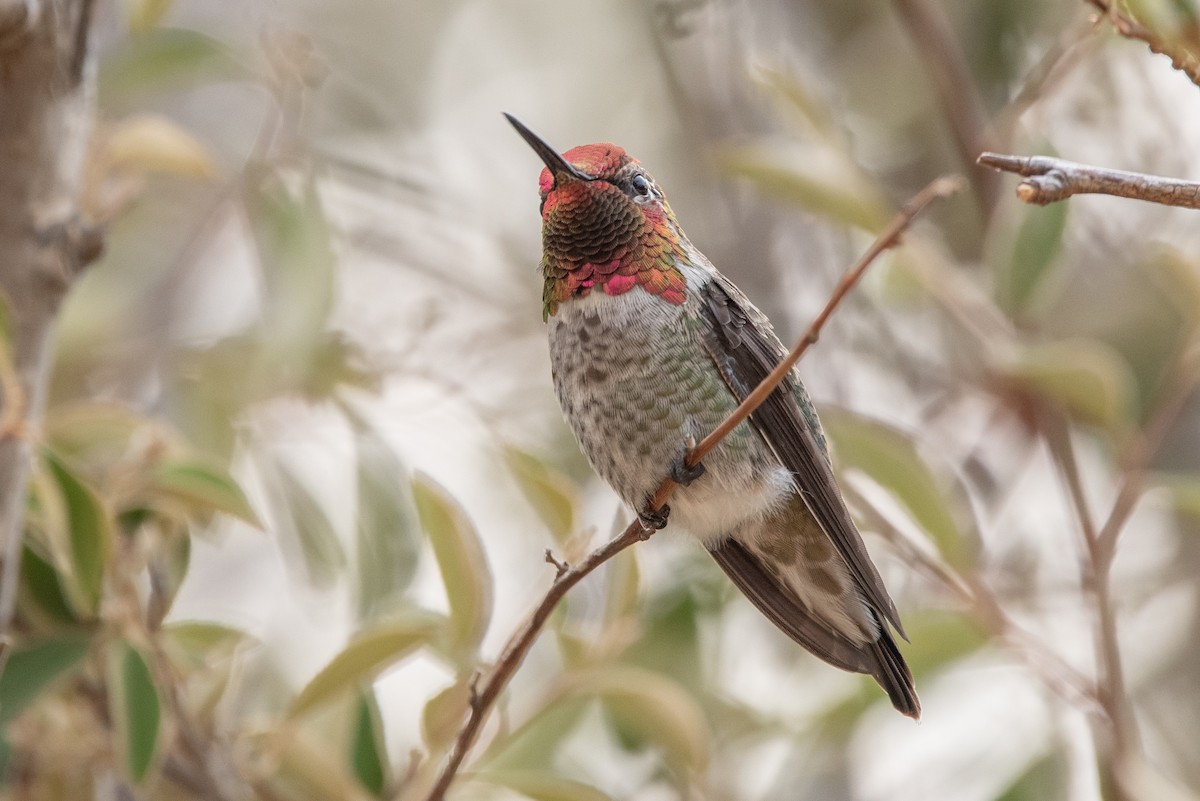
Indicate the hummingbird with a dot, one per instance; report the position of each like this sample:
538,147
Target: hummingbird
650,349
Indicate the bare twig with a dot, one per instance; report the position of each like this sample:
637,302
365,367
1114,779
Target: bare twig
1096,579
519,643
956,90
1181,57
1048,180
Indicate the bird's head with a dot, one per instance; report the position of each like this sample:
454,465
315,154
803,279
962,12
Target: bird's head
605,224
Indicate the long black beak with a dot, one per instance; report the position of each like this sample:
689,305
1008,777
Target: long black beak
556,163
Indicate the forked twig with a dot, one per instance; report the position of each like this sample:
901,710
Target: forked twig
519,643
1049,180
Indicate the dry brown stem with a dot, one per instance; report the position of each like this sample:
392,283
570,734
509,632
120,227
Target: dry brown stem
1048,180
518,645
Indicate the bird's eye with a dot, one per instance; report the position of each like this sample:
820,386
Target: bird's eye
641,185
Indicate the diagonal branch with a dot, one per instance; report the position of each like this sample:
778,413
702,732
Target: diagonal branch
1048,180
522,640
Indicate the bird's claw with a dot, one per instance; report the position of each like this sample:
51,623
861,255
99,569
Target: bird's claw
654,519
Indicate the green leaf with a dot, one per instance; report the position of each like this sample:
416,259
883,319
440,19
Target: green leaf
89,531
550,493
932,494
42,582
31,669
459,554
368,654
1029,256
164,60
368,756
388,547
1088,378
652,706
444,714
202,488
322,552
541,785
823,182
138,711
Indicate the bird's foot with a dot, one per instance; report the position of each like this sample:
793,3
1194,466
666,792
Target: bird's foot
683,474
653,519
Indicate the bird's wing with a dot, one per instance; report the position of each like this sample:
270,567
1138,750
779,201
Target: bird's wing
744,348
785,611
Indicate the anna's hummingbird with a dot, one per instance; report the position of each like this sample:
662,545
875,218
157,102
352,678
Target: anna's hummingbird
651,348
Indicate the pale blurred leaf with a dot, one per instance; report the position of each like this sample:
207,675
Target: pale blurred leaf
298,511
824,183
790,89
652,706
541,785
535,743
460,558
32,668
444,713
368,754
370,652
98,430
136,709
296,256
313,770
163,60
388,547
152,143
935,498
202,641
550,493
145,14
624,586
1086,377
201,488
1178,276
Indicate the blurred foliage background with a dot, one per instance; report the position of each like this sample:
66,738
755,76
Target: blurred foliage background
301,457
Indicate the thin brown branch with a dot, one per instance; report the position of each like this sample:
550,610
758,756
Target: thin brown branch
522,640
1120,744
1181,57
956,90
1048,180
